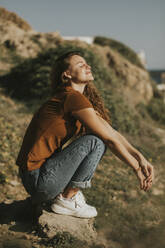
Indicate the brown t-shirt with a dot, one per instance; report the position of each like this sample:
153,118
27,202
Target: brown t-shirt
51,127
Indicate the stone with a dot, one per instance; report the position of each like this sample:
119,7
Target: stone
83,229
14,183
136,81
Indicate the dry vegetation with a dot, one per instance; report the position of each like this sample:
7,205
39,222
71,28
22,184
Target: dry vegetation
127,216
8,16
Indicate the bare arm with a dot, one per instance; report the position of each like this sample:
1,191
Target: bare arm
144,164
132,150
89,118
92,122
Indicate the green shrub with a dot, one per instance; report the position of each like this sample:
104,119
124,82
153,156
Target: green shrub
2,178
9,56
63,240
123,117
156,109
142,110
125,51
29,81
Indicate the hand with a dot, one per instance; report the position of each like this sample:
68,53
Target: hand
145,182
147,169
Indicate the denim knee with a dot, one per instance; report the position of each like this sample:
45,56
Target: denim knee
97,142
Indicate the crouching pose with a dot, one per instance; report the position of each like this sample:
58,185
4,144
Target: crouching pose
54,172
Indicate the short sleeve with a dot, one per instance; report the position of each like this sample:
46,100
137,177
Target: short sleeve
76,101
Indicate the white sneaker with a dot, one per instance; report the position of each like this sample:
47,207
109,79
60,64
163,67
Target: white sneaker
75,206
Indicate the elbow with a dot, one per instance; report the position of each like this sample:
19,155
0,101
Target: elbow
112,142
110,138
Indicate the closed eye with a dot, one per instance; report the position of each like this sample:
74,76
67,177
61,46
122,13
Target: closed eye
83,65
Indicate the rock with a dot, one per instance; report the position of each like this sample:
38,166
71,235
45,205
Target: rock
14,183
136,81
83,229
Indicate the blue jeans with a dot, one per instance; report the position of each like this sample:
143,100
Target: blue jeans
73,166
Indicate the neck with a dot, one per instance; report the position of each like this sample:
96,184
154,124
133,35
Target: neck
78,87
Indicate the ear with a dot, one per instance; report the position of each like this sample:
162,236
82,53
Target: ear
66,74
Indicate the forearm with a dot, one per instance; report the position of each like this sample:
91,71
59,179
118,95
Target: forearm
121,152
133,151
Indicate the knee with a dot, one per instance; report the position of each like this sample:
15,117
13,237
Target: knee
97,142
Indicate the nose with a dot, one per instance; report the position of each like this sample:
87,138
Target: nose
88,66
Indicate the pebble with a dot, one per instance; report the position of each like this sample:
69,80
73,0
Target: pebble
8,201
12,222
14,183
37,246
25,236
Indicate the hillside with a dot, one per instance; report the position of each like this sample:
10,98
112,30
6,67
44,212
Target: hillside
127,216
19,41
11,17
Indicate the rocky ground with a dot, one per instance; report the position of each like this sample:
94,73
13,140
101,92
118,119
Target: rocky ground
16,224
114,193
127,217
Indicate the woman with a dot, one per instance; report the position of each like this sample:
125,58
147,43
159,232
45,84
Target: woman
53,171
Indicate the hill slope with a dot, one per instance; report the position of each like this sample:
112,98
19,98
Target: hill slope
11,17
127,217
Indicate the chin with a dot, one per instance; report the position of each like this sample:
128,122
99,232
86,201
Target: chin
90,78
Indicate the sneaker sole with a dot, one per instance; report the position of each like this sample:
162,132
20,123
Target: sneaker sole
60,210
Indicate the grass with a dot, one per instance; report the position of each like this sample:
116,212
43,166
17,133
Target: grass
156,109
63,240
29,83
128,213
12,127
9,56
127,216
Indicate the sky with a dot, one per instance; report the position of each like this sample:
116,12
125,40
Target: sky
139,24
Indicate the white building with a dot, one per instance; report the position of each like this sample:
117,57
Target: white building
142,56
87,39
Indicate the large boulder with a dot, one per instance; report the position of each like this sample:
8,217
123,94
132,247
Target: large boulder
136,85
83,229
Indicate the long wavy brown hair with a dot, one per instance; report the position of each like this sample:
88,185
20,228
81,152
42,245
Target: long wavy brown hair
58,81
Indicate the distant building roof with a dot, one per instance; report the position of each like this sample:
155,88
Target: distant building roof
87,39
